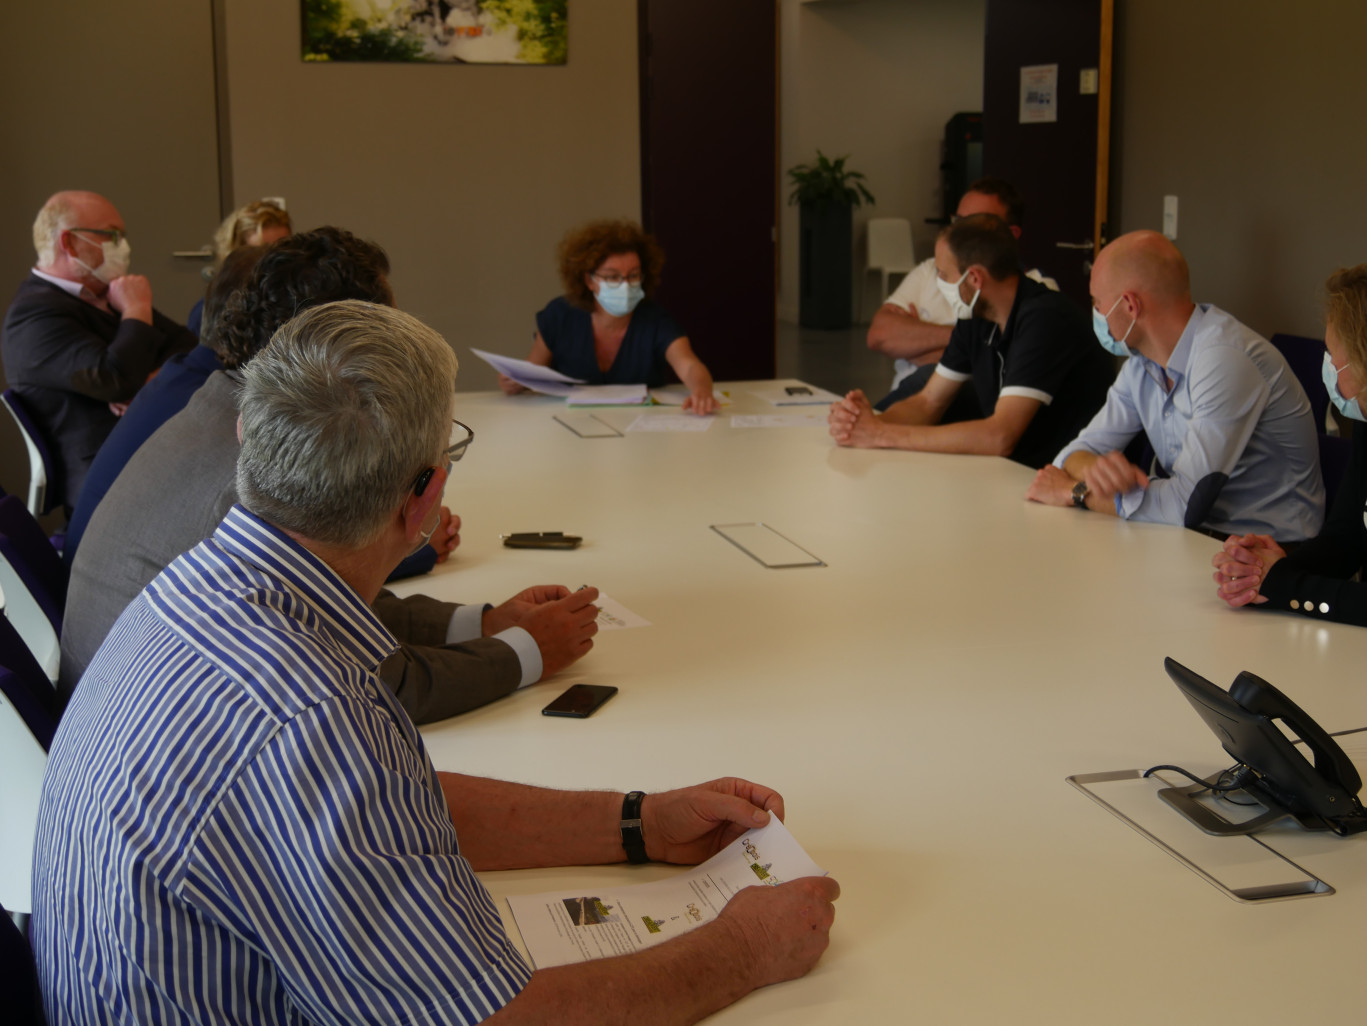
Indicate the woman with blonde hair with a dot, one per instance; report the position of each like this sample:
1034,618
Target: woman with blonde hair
1316,578
605,329
259,223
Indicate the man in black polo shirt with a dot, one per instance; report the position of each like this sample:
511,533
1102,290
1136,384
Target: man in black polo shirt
1028,353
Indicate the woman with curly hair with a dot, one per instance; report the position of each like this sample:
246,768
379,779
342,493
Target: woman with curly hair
605,330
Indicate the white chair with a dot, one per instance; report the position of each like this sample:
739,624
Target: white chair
22,761
887,250
38,460
27,722
22,610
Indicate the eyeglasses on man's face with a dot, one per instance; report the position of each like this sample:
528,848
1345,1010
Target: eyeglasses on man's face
114,235
453,453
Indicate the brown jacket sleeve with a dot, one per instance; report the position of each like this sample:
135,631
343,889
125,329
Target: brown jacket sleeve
433,680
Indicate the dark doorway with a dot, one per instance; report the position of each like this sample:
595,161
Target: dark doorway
709,116
1060,167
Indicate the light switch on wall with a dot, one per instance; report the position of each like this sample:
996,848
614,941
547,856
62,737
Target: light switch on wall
1170,216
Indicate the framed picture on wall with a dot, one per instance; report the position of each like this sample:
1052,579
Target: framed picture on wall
435,31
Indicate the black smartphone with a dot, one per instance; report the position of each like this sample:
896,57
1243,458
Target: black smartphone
542,540
798,390
580,700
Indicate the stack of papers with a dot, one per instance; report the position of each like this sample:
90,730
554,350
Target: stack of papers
607,395
529,375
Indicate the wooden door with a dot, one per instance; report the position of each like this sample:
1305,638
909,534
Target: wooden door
709,116
1060,166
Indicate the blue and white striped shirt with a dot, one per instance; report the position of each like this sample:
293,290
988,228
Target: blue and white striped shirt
239,823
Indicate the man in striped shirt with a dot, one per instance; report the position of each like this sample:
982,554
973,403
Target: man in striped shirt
240,824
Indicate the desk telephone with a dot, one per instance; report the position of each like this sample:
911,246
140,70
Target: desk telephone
1270,767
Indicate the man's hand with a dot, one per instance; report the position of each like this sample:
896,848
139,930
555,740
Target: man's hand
1241,567
1112,474
563,628
1051,486
512,612
701,403
852,420
782,930
118,409
691,824
131,296
446,538
509,386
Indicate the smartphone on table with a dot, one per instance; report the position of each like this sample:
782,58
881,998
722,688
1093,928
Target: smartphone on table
580,700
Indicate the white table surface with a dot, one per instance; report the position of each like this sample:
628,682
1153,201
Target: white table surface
919,702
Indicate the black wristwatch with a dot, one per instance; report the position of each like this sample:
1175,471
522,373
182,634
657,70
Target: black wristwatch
633,840
1080,493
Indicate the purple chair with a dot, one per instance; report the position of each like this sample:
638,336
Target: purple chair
1306,357
23,1002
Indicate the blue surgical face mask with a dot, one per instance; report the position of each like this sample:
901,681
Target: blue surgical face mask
1114,346
619,299
1350,408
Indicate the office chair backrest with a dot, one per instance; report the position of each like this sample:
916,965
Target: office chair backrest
25,616
41,496
27,723
1306,357
28,550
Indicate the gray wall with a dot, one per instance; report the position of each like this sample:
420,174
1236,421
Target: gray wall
467,175
117,98
876,79
1249,111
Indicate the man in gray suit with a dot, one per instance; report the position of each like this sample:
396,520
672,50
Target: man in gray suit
180,483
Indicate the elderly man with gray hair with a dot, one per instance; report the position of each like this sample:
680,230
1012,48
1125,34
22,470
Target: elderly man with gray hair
239,823
81,336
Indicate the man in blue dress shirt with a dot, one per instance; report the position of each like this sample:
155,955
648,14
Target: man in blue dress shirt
240,824
1235,448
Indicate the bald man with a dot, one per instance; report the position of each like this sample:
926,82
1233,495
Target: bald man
81,336
1234,439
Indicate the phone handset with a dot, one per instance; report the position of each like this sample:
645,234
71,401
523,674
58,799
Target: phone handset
1263,699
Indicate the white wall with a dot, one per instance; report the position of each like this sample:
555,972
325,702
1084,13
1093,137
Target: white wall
876,79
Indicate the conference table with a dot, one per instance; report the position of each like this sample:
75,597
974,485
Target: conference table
920,701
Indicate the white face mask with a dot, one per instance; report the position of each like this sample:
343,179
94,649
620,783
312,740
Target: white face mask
950,290
116,259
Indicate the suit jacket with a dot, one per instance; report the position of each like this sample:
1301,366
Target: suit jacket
171,496
69,360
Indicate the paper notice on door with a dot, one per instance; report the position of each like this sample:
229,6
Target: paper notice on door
562,928
1039,94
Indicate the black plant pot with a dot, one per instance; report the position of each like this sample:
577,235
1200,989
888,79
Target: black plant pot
826,259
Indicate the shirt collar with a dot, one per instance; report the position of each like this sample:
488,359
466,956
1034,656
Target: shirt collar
346,618
73,288
1177,362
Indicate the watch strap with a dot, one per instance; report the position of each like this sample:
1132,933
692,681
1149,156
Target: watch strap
633,840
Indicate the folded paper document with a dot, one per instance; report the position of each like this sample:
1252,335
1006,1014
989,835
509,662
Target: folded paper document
562,928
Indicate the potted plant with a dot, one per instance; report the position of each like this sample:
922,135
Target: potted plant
826,194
